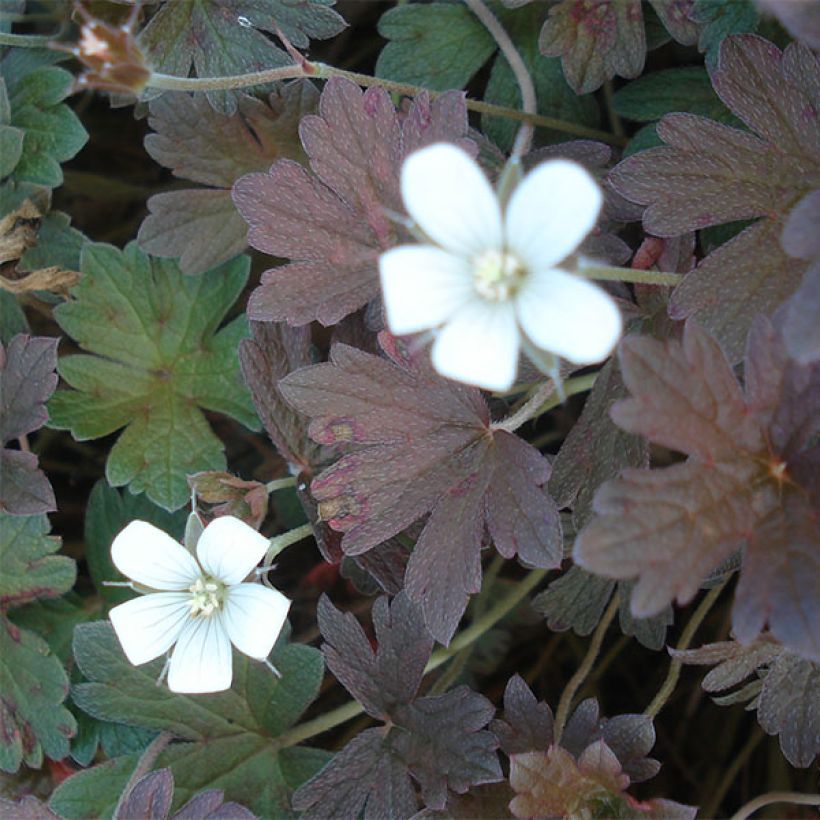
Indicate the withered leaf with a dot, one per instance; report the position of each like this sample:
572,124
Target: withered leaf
333,223
748,484
417,444
440,741
710,174
201,224
27,378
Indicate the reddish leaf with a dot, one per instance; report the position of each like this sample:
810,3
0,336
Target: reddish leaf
595,41
27,808
27,378
334,223
527,725
748,483
150,797
787,690
231,495
419,443
440,741
709,174
196,143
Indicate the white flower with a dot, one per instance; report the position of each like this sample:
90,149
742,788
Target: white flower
492,281
201,604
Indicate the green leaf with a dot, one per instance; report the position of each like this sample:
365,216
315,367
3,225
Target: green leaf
719,20
57,244
33,683
11,138
555,98
50,131
223,37
158,361
107,513
231,736
12,318
438,45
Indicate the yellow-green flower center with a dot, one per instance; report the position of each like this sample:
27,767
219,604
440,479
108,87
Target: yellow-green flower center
497,275
207,597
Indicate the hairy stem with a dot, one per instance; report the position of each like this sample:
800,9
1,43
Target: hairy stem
523,139
775,797
144,765
168,82
562,713
279,542
613,274
349,710
668,686
280,484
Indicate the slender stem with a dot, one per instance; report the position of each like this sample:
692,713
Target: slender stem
349,710
168,82
612,274
280,484
25,40
668,686
523,139
144,765
731,773
279,542
542,400
614,119
562,713
775,797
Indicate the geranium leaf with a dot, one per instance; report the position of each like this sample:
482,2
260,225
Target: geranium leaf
333,223
230,737
595,42
676,18
718,20
418,444
440,740
37,131
672,527
33,683
27,378
201,225
156,361
708,174
224,37
437,45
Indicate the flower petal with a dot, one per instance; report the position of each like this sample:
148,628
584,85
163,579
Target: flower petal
550,212
149,625
479,345
229,549
450,199
422,286
254,616
149,556
569,316
202,658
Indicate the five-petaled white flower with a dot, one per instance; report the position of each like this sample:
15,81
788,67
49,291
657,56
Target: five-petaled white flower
200,604
491,281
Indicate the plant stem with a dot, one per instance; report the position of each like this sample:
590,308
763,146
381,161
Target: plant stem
342,714
523,139
668,686
542,400
562,713
613,274
144,765
279,542
280,484
775,797
25,40
322,71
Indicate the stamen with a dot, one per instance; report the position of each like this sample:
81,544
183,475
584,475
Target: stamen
497,275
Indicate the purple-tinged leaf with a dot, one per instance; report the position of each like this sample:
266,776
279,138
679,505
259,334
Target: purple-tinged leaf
27,808
595,41
801,233
150,797
676,19
333,223
801,330
527,724
27,378
801,20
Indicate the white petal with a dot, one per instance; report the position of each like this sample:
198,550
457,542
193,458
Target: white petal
569,316
149,556
479,345
550,212
254,616
229,549
450,199
422,286
149,625
202,658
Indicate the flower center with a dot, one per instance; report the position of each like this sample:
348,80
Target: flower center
497,275
207,596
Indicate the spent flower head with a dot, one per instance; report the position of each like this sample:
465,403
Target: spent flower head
200,604
491,282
